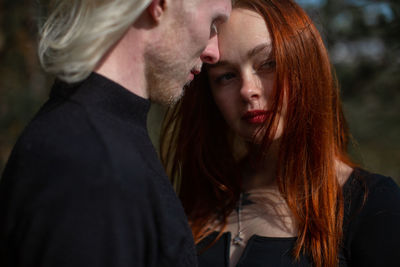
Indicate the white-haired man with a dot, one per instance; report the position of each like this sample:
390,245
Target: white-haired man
83,186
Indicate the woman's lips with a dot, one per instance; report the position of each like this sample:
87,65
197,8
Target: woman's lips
256,116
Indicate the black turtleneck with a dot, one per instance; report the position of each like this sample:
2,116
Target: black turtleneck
84,186
371,232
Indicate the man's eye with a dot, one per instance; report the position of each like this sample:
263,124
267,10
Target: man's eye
213,30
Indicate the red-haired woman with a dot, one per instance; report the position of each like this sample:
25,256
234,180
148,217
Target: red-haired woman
257,151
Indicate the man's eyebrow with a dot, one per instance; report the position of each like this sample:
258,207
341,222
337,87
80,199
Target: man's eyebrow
258,49
221,18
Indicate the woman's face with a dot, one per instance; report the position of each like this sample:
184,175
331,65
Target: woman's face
242,81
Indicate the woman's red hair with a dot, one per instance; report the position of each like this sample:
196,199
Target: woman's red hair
198,157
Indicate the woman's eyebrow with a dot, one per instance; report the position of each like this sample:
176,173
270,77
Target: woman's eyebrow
221,63
253,52
259,48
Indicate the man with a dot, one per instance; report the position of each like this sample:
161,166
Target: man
83,185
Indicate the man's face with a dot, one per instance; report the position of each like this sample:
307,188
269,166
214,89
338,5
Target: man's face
189,40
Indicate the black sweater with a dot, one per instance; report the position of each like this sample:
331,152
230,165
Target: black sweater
371,229
84,186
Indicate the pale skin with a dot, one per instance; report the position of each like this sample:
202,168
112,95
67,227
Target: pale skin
240,83
166,32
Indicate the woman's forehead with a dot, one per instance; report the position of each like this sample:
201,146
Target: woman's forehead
244,35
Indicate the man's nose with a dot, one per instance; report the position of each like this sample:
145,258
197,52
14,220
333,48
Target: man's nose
210,54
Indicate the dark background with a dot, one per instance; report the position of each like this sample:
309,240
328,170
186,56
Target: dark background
363,38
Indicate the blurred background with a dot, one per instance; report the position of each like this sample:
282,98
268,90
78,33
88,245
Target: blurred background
362,36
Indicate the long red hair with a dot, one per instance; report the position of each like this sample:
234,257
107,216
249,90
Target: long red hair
198,157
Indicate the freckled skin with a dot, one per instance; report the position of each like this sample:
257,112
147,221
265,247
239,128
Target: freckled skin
243,79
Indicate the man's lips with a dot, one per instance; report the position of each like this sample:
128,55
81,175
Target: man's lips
256,116
192,73
195,71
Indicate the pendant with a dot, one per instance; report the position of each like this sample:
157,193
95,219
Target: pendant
238,241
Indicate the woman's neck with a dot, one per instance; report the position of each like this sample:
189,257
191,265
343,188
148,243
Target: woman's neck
258,175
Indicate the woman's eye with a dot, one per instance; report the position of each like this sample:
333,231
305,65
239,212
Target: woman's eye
268,65
226,77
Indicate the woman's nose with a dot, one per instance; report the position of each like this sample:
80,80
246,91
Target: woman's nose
251,87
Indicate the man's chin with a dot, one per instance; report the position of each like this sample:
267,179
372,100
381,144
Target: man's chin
173,100
190,76
187,84
167,99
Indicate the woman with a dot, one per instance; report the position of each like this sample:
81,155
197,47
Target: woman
257,151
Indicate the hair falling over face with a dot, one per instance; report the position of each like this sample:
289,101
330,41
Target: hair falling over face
198,156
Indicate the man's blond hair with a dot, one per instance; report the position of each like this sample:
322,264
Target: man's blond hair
78,33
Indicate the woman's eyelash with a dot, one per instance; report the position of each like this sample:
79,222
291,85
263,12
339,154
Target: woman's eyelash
224,77
268,64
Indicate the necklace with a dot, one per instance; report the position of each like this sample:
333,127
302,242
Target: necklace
238,239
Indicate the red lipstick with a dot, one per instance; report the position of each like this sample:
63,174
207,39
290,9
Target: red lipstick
255,116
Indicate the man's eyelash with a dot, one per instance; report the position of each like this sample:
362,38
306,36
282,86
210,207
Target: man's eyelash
214,29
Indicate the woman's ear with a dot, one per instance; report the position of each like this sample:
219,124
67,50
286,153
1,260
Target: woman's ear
156,9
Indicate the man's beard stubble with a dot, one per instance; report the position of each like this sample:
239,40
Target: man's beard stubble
165,70
162,83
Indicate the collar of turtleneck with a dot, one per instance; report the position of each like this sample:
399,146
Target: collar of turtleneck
100,93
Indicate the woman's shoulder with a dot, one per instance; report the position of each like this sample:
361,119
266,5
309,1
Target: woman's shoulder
371,219
370,193
370,186
373,179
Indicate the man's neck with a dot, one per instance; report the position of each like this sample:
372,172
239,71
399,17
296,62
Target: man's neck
125,65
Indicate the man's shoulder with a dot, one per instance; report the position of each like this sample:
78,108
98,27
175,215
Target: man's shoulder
60,131
68,143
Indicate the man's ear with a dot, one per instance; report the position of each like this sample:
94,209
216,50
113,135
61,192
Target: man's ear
156,9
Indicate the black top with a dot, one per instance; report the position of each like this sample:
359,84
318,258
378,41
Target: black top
371,231
84,187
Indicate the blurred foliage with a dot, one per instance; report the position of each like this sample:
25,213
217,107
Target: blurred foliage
362,37
364,43
23,86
